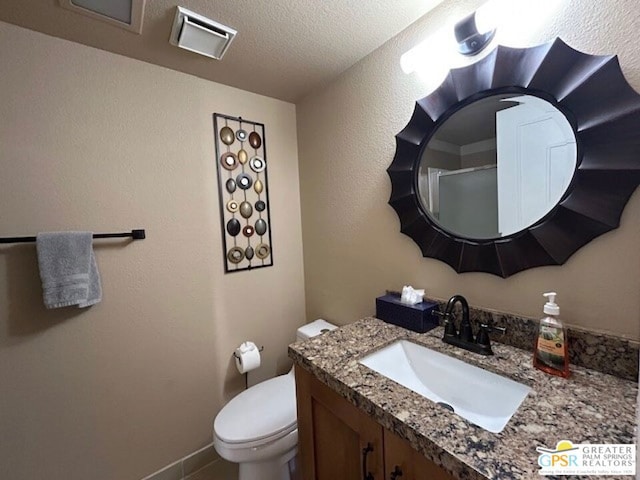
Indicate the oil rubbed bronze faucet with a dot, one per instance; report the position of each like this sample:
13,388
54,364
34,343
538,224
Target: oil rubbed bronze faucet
464,338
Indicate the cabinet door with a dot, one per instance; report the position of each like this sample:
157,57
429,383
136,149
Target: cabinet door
402,462
335,439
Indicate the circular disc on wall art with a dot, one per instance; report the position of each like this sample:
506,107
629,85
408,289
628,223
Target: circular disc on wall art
235,255
232,206
233,227
262,251
230,185
249,253
248,231
254,140
244,181
261,227
227,136
260,206
243,156
229,160
246,210
257,164
241,135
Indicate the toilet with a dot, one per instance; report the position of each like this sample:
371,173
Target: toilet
258,428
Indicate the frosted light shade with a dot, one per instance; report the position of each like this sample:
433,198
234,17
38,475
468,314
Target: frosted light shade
116,9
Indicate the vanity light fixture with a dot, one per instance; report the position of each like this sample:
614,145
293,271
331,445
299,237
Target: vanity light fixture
510,22
470,40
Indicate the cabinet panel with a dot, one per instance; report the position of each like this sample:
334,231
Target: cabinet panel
402,462
337,451
334,435
398,459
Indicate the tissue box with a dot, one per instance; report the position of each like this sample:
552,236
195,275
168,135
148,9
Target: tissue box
419,317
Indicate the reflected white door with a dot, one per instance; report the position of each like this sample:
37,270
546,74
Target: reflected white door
536,151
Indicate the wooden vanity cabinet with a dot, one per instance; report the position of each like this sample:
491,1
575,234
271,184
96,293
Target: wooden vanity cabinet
335,439
338,441
402,462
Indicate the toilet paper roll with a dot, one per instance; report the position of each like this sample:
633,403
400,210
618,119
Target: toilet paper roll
247,357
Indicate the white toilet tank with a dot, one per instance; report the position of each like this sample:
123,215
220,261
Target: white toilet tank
313,329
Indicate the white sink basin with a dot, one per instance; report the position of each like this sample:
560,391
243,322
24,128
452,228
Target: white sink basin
482,397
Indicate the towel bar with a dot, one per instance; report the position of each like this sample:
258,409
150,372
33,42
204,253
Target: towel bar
138,234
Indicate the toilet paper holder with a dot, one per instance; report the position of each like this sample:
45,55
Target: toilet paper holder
260,349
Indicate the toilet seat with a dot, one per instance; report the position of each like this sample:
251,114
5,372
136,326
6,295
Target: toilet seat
259,415
283,447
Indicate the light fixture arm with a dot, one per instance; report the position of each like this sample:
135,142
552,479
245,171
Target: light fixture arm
470,41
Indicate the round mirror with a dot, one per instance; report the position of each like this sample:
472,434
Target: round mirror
560,177
497,166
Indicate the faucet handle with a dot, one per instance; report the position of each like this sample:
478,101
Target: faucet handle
488,327
449,327
440,314
483,334
445,316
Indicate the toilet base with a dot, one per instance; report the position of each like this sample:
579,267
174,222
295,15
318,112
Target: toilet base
284,468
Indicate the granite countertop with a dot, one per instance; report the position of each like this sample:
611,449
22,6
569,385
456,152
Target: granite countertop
589,407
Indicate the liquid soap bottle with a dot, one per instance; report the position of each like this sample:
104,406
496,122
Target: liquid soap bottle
550,353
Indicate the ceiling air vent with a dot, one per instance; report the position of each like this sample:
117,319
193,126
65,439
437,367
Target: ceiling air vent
200,34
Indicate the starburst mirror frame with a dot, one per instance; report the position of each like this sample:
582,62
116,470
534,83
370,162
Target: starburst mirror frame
604,112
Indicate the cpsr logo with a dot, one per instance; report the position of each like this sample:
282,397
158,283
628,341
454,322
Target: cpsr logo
562,456
587,459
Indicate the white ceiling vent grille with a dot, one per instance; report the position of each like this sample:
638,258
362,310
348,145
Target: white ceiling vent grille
200,34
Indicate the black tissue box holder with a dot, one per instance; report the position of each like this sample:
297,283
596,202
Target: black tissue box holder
419,317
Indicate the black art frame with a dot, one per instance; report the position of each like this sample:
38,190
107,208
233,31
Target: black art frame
604,112
223,195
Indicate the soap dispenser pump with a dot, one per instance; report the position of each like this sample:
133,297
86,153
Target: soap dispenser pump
550,353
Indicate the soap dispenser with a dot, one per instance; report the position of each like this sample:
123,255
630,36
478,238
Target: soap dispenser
550,353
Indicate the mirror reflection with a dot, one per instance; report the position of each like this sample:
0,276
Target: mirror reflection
497,166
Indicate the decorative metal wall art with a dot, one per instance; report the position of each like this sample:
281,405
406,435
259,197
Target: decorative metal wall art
243,190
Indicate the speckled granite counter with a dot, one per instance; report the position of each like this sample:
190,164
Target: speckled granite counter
590,407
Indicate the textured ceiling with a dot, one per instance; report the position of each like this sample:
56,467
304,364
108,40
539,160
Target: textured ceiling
284,48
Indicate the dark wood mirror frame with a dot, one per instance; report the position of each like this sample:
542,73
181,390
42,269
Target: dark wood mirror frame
604,112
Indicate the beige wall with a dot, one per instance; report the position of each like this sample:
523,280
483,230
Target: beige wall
353,248
92,140
479,159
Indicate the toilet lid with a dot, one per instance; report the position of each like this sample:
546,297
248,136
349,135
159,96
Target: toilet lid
261,411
